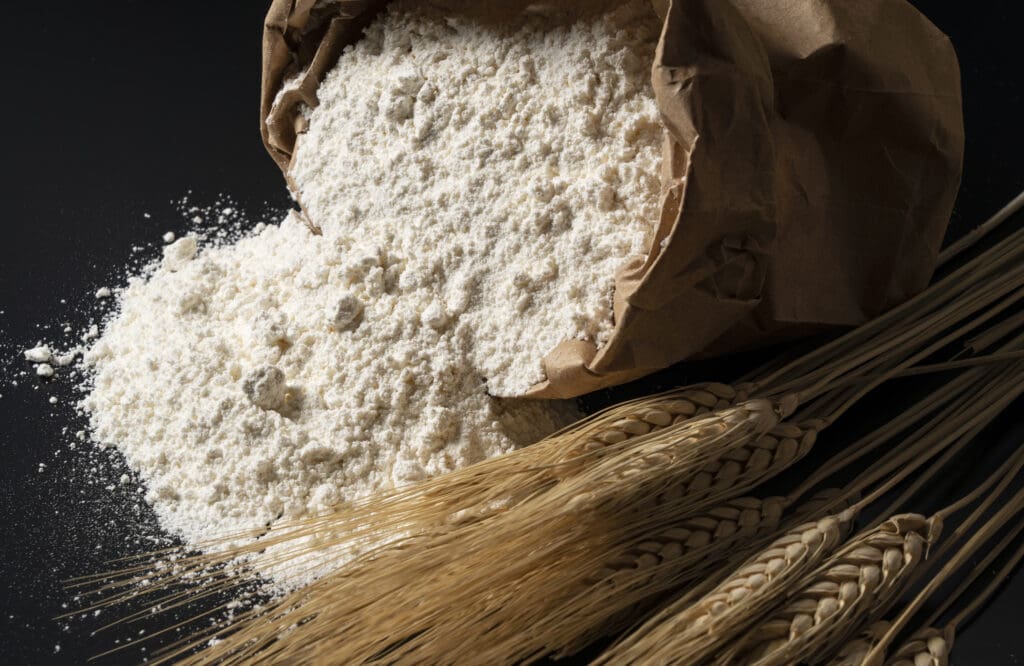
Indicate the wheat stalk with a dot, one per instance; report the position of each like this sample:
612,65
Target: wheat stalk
625,583
995,525
931,645
692,631
860,581
732,531
417,580
704,475
699,628
690,541
653,413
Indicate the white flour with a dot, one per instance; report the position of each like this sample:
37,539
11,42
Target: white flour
511,169
225,382
475,196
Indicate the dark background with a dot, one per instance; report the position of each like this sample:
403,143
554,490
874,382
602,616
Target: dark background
119,109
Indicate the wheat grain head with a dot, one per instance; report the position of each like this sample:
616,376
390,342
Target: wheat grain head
828,606
675,558
641,417
693,630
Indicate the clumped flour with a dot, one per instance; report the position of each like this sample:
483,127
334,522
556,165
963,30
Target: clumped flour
475,188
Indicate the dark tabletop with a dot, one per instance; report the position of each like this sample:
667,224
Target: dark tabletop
114,112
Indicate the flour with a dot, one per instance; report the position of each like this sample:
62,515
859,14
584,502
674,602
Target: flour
476,189
511,169
38,354
180,252
227,386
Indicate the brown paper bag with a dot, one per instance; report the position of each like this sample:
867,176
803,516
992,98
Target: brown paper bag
814,154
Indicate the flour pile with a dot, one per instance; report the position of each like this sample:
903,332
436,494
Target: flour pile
513,168
476,187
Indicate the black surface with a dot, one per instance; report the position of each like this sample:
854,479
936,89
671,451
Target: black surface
112,110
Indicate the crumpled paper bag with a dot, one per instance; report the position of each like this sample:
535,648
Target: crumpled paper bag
813,156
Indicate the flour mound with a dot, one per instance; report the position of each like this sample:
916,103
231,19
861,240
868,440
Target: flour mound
226,384
476,187
513,168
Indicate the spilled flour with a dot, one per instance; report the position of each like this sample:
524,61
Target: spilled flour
226,380
476,188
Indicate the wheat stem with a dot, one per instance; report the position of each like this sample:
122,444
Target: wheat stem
955,249
933,403
934,368
990,337
904,359
945,291
963,429
993,584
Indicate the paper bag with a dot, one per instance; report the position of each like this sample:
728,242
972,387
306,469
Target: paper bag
813,156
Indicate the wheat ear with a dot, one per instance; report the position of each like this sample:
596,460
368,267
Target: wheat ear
625,584
860,581
931,646
741,528
651,414
803,644
994,487
691,632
